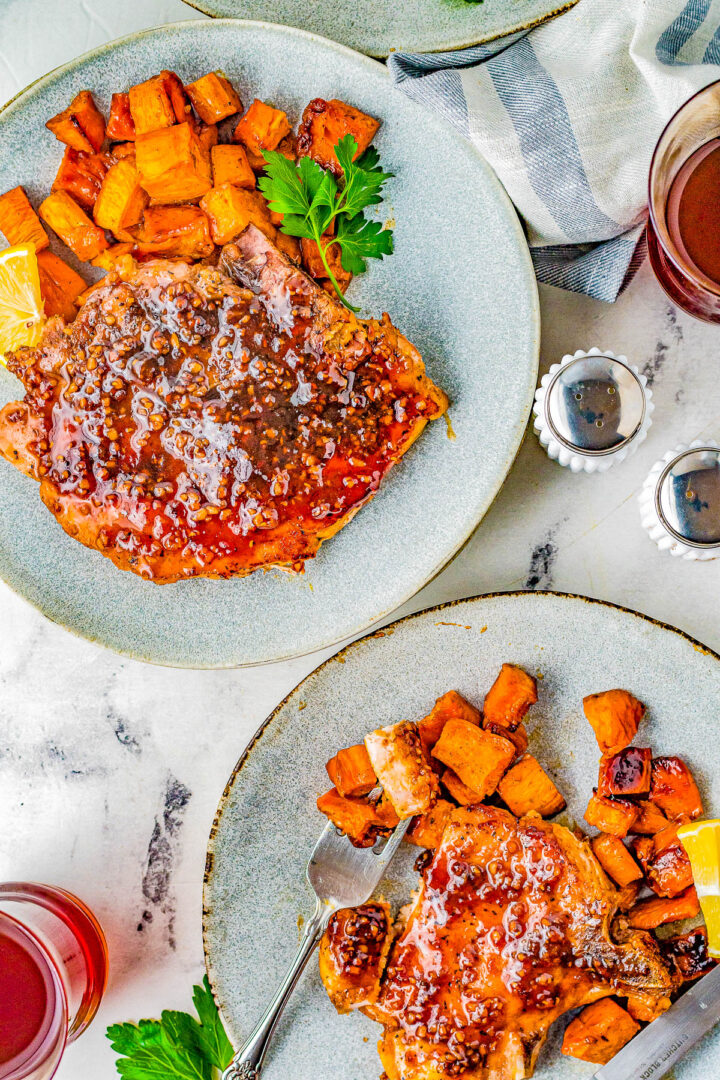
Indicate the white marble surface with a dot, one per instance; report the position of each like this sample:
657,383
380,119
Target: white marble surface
110,770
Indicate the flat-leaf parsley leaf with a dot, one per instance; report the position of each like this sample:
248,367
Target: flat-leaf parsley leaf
311,200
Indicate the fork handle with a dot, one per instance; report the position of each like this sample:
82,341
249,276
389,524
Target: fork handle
247,1063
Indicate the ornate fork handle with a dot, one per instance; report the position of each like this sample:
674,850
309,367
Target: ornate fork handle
247,1063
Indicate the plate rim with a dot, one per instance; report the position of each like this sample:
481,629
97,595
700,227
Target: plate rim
447,46
210,866
378,70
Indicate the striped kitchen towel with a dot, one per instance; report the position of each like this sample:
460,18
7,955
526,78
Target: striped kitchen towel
568,115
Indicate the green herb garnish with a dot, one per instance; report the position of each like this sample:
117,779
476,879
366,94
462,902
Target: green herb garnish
311,199
175,1047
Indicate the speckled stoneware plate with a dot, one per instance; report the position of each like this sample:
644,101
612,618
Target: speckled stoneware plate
461,287
267,822
379,27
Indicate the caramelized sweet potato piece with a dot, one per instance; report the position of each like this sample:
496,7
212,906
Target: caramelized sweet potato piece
509,697
73,226
615,859
385,812
427,831
688,954
351,772
120,125
261,128
108,259
627,773
627,896
181,232
231,209
650,819
122,200
312,261
403,769
460,792
230,165
527,787
213,97
665,862
357,818
325,123
81,125
674,789
614,816
645,1008
614,716
60,286
81,175
178,99
451,706
18,221
121,151
173,166
599,1032
649,914
353,954
207,136
289,245
478,757
151,104
518,737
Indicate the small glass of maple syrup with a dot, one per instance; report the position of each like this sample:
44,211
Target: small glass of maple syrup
684,202
53,970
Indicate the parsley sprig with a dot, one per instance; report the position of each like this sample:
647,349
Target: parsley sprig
175,1047
311,200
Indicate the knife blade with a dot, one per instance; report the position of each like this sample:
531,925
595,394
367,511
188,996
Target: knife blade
654,1051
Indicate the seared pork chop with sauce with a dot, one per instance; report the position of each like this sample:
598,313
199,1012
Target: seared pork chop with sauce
513,926
209,421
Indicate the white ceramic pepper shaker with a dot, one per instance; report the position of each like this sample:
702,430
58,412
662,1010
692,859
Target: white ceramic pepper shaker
680,501
592,410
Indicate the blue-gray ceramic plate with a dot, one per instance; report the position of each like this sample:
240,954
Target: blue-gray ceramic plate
267,822
379,27
461,287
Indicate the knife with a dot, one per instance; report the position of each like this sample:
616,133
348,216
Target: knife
654,1051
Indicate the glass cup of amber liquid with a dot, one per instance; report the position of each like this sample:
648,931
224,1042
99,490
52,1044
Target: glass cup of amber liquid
53,970
684,201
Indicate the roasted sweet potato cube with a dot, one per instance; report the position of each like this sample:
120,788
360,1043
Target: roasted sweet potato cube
616,860
353,953
60,286
650,819
289,245
173,166
688,954
674,789
207,136
403,769
385,812
460,792
178,99
151,104
427,831
614,716
478,757
81,175
114,255
73,226
230,209
665,862
122,200
599,1032
312,261
81,125
527,787
18,221
509,697
213,97
614,816
518,737
121,151
451,706
627,773
325,123
120,125
647,1007
261,128
627,896
649,914
357,818
230,165
181,232
351,772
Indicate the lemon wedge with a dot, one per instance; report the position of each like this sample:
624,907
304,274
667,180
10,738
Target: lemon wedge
701,840
21,305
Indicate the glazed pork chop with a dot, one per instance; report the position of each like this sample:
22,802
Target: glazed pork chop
511,928
209,421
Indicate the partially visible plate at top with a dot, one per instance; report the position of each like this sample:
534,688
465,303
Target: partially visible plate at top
460,286
256,895
379,27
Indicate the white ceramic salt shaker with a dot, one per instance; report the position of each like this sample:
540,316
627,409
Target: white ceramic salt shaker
680,501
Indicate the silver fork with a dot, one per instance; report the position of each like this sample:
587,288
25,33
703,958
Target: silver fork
342,876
